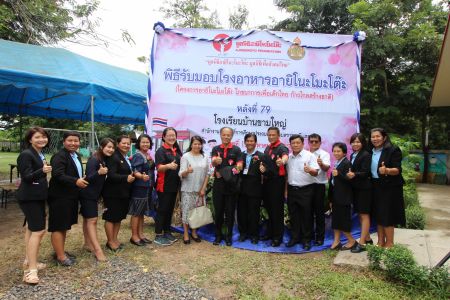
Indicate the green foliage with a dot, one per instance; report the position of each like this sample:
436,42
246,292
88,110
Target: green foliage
398,264
238,18
415,217
47,21
189,14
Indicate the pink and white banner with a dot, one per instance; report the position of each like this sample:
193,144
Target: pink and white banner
300,82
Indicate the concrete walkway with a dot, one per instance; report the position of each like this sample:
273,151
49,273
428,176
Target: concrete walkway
428,246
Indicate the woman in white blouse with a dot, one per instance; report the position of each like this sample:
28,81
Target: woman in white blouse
194,168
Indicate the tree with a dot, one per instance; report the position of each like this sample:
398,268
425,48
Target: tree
320,16
189,14
238,18
399,57
47,21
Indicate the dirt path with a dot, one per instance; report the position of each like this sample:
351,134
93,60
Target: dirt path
435,199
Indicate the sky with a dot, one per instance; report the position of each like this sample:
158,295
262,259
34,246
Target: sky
138,17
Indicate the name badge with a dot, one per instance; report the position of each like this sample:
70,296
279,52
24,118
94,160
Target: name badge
245,171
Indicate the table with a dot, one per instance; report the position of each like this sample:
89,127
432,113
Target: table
11,168
6,189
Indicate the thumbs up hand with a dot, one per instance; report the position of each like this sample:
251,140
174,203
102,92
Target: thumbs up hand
382,169
81,182
173,165
350,174
218,159
190,169
306,168
131,178
262,169
102,170
319,161
335,172
46,168
279,161
145,177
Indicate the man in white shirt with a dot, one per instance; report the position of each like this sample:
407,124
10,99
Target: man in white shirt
302,167
318,203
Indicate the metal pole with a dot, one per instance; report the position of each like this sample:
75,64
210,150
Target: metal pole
92,125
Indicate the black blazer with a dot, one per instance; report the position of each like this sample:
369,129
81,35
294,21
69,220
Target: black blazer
96,181
341,192
116,185
392,158
361,167
33,185
251,183
64,176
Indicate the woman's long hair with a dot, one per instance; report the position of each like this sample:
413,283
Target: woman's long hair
98,154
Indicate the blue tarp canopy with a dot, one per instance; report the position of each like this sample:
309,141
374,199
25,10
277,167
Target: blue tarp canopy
56,83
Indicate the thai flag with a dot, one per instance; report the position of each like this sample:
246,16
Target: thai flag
159,122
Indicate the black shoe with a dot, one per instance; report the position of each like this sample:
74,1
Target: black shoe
217,240
146,241
138,243
344,248
186,242
306,246
338,247
264,238
66,262
275,243
370,242
71,256
358,248
254,241
291,243
197,239
318,243
242,238
228,241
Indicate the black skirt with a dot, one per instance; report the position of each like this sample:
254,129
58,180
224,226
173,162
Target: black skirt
115,209
362,201
388,203
34,211
342,217
62,214
89,208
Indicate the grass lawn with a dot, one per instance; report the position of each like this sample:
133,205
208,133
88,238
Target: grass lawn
7,158
226,273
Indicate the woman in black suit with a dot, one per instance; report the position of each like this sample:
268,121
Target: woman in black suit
96,171
387,181
359,176
116,191
341,197
31,195
251,190
63,194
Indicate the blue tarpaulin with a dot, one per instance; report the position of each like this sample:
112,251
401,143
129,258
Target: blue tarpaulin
56,83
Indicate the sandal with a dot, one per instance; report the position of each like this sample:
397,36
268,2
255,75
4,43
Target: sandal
31,276
40,266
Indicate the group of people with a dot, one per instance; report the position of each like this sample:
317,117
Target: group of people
370,182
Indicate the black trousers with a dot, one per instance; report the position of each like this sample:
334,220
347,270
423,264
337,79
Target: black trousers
224,204
165,210
273,195
248,215
318,210
300,212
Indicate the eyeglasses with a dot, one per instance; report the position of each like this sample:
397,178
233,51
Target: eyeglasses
314,142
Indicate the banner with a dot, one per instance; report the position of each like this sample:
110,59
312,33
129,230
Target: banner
202,80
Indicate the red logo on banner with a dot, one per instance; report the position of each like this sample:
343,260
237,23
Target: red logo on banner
222,46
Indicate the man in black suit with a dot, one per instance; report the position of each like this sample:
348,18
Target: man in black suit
63,196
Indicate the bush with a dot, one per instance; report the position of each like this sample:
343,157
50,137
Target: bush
399,265
415,217
410,195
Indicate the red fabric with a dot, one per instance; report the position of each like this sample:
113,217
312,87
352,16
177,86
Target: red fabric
225,149
160,181
274,145
173,149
